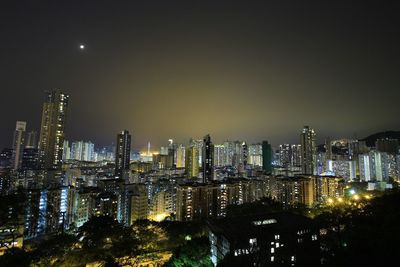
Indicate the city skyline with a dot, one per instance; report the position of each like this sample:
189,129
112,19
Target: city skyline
264,70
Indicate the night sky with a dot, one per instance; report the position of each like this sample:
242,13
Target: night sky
253,70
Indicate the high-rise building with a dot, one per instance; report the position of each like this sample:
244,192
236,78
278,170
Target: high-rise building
236,153
285,153
219,155
5,158
31,140
82,151
208,159
180,156
18,144
52,130
29,159
255,155
374,166
122,153
66,150
267,156
296,156
192,161
308,150
199,145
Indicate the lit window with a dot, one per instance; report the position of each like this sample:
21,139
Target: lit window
272,250
277,237
314,237
252,240
272,258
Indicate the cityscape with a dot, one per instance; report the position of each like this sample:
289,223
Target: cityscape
310,193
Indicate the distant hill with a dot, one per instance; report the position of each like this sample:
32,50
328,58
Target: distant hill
370,140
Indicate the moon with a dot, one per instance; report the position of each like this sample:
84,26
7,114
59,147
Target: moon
82,47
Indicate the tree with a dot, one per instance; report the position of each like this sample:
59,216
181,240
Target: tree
195,252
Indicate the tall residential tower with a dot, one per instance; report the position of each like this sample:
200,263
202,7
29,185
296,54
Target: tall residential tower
308,151
122,153
52,130
208,159
18,144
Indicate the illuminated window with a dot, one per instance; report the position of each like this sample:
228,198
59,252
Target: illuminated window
253,240
272,258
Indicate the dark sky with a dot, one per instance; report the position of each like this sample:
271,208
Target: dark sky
249,70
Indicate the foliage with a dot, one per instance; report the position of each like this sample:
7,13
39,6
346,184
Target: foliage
366,237
195,252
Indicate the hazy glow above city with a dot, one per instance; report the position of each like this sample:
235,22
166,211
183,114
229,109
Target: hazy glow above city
179,71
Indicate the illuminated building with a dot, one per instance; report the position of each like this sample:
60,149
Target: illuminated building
5,158
272,239
267,156
30,159
132,203
180,156
82,151
66,151
255,155
328,187
18,144
195,201
31,140
307,190
192,202
107,204
161,203
122,154
296,156
308,151
236,153
208,159
342,168
139,203
295,190
83,206
11,224
285,154
52,130
47,211
192,162
219,155
374,166
199,145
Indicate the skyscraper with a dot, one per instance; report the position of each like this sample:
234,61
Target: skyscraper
83,151
285,154
308,150
192,161
31,140
208,159
180,156
219,155
52,130
267,156
122,153
18,144
255,154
